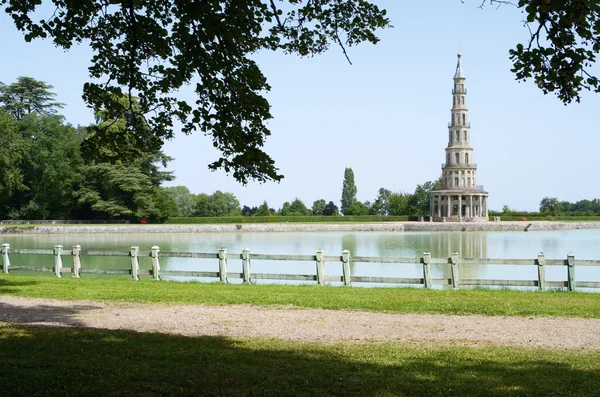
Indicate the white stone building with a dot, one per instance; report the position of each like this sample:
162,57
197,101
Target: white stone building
460,198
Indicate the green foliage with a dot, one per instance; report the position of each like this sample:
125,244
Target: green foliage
269,218
381,205
415,204
550,206
153,48
297,208
358,209
420,199
263,210
549,218
50,167
121,191
11,153
507,211
331,209
27,96
184,200
348,191
318,207
399,204
217,204
562,48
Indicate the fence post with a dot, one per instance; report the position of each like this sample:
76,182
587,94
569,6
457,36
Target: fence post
426,269
541,261
454,270
320,267
346,267
135,264
155,263
246,266
57,260
571,271
76,260
223,265
5,258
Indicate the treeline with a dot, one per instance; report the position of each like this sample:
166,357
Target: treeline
553,207
387,203
52,170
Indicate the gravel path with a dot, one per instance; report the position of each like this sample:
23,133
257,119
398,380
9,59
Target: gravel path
306,324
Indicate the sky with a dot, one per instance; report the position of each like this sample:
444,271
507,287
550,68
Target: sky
385,116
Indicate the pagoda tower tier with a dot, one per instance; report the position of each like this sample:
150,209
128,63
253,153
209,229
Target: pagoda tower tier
460,198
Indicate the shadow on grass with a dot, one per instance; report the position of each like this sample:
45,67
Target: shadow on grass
43,314
8,286
52,361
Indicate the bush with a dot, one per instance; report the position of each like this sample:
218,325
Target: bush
285,219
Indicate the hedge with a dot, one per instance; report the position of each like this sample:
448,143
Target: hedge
287,219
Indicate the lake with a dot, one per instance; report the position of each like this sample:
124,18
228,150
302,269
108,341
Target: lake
585,244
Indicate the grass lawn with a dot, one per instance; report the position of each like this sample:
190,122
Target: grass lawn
394,300
78,362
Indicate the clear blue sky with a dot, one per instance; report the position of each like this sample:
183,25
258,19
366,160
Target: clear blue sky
386,116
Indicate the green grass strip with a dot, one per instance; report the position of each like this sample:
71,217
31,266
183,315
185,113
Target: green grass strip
81,362
393,300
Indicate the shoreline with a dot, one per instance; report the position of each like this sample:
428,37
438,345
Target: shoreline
516,226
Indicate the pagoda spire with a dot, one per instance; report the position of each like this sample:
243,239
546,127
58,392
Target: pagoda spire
459,72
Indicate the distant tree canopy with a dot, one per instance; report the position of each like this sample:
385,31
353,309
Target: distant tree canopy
151,48
553,206
28,95
45,175
217,204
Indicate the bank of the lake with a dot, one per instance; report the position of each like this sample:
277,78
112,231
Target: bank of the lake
301,227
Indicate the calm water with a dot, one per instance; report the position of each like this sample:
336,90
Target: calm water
585,244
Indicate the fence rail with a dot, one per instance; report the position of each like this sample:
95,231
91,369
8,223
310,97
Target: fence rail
454,262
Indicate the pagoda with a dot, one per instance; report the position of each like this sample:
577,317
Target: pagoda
459,198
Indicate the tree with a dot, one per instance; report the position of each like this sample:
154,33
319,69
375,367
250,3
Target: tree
562,48
358,208
155,47
50,166
121,191
218,204
298,208
285,208
263,210
247,211
318,207
419,201
550,205
120,132
11,153
126,187
506,210
381,205
331,209
348,190
184,200
28,96
399,204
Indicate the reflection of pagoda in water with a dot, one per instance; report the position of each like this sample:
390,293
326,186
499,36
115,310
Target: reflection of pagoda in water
468,245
